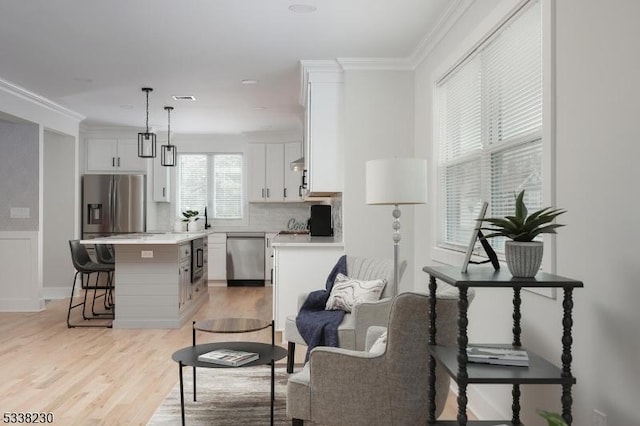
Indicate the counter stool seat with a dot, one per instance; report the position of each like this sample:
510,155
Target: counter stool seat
85,268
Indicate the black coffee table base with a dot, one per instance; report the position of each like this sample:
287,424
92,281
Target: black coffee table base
188,356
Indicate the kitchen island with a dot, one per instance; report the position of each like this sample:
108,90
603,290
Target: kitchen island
160,279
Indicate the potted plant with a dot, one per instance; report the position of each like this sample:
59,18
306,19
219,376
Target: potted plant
191,217
553,419
523,255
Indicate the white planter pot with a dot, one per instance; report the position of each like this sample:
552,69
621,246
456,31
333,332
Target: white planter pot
180,226
196,225
523,258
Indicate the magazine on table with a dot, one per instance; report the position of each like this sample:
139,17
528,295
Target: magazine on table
228,357
498,356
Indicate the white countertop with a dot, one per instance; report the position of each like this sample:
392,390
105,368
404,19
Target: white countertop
149,238
305,241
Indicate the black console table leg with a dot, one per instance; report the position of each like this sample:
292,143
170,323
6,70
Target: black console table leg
515,406
463,340
432,341
517,301
567,340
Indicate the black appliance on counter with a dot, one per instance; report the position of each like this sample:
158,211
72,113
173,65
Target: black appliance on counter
320,221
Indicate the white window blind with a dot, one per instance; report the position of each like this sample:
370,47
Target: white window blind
211,180
227,199
489,118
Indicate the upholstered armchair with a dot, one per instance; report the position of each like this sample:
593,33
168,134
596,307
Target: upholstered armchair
353,328
382,387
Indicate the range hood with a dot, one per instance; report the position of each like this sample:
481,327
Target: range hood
297,165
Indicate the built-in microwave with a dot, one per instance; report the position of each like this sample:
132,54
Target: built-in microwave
197,259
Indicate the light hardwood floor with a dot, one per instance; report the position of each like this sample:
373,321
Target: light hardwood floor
100,376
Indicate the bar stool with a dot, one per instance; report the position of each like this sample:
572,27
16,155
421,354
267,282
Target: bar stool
104,255
85,267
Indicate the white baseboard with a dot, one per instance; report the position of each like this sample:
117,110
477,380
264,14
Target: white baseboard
56,293
21,305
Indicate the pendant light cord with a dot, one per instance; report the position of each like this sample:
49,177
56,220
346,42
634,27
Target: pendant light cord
147,110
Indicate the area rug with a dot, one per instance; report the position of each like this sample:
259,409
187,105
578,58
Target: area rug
226,397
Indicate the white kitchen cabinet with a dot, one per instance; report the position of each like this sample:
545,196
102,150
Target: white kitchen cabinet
114,155
323,135
292,178
161,181
217,257
299,269
266,172
268,256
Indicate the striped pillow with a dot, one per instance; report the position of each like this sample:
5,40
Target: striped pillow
348,292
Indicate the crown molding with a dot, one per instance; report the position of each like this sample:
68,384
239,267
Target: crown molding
378,64
447,20
39,100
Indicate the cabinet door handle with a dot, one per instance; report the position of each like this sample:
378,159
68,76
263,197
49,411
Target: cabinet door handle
300,191
164,192
285,193
304,179
268,193
262,196
113,161
118,161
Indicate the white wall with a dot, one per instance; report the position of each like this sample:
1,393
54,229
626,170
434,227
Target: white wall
21,240
597,149
58,207
378,124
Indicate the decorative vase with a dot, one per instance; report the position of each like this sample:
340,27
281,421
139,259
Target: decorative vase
523,258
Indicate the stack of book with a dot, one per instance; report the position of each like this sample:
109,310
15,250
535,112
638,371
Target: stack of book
228,357
498,356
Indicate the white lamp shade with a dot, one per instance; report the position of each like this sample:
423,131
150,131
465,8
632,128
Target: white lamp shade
396,181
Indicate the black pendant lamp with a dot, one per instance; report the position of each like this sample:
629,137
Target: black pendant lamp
168,153
146,140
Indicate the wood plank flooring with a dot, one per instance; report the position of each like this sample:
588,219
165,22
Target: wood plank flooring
100,376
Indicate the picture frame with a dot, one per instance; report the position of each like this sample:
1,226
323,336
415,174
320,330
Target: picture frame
475,235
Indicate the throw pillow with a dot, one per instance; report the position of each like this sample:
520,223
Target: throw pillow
380,345
348,292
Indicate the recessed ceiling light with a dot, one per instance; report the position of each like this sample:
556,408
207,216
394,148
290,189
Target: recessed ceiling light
249,82
83,79
126,106
302,8
184,97
259,108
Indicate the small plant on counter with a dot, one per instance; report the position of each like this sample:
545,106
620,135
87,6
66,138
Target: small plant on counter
190,215
554,419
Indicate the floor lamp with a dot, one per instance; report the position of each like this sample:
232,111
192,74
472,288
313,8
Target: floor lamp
396,181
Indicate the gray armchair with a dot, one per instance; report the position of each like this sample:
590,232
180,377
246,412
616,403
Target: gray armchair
340,386
353,328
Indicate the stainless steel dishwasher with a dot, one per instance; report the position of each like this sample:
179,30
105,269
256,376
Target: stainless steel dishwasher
245,258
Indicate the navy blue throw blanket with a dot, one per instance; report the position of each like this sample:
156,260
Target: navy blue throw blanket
317,326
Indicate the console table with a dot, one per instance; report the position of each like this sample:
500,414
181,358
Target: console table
454,359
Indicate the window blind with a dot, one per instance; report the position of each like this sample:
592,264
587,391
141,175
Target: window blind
489,118
211,180
227,199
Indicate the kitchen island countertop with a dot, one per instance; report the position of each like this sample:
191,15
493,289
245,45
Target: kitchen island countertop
149,238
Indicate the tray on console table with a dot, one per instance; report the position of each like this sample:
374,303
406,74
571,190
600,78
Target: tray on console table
455,361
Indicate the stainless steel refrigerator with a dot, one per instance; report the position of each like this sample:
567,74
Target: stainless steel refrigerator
113,204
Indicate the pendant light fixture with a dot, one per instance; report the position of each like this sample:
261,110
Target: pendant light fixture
168,152
146,140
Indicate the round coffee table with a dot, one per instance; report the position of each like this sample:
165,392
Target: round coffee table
268,353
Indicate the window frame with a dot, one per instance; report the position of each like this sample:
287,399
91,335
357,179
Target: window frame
244,220
503,12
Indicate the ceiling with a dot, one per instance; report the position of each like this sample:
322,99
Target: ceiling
94,56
